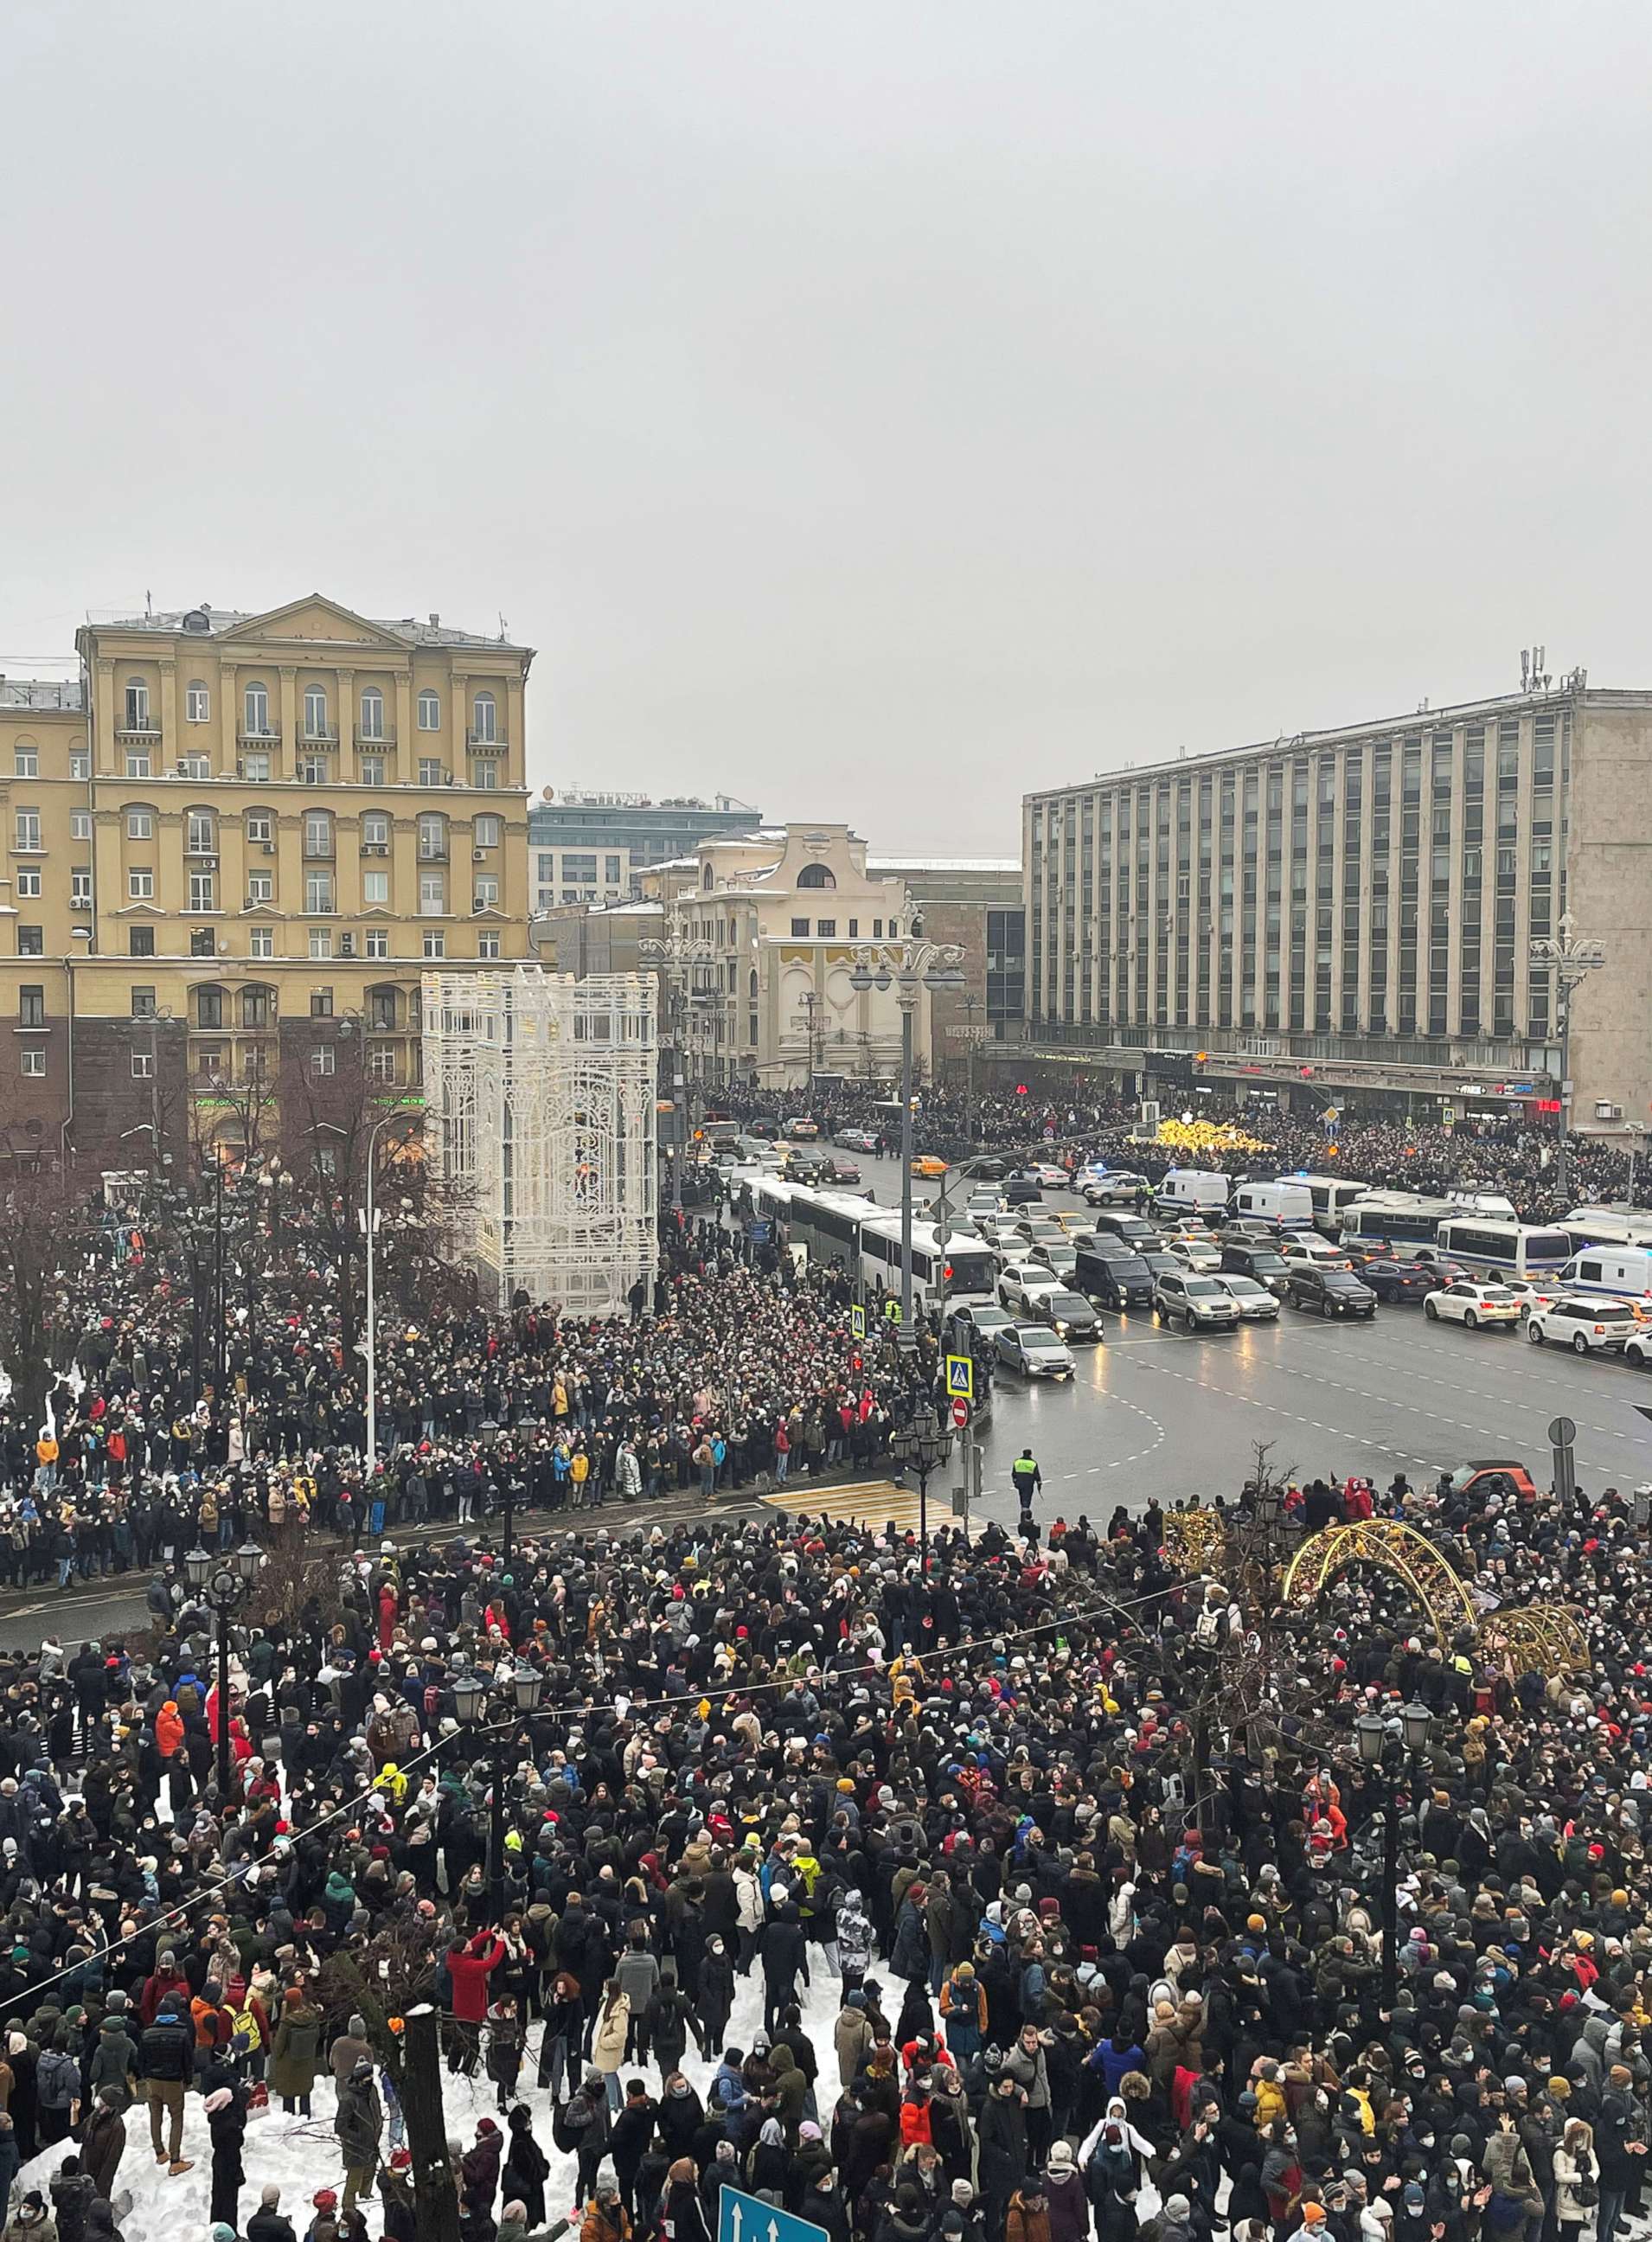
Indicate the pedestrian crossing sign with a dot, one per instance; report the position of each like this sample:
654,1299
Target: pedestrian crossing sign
858,1321
960,1376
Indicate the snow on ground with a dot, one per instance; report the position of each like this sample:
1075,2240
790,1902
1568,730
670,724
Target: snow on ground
300,2154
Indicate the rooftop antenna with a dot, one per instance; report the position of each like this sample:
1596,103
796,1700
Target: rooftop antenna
503,630
1525,669
149,606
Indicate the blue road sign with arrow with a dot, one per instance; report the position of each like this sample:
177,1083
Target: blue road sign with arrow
749,2218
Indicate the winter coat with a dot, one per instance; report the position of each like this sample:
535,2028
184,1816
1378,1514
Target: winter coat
295,2055
855,2039
607,2042
359,2122
1571,2172
102,2143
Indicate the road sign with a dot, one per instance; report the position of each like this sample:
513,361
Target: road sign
1561,1433
749,2218
960,1376
944,1232
757,1232
960,1413
858,1321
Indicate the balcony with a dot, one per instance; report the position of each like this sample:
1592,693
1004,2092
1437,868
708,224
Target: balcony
326,737
375,742
484,745
270,737
142,734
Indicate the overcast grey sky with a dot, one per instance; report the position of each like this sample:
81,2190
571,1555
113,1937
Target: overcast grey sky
870,410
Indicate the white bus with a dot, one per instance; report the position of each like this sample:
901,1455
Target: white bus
849,1232
1501,1249
1607,1226
1331,1197
1619,1270
1401,1220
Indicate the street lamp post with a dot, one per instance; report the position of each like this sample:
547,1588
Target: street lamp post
922,1445
471,1692
487,1433
1372,1733
223,1584
1574,957
909,967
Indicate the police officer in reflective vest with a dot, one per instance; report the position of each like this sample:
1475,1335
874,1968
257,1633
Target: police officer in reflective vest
1028,1480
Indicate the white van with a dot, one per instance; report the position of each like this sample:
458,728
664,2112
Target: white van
1192,1191
1619,1269
1332,1196
1284,1202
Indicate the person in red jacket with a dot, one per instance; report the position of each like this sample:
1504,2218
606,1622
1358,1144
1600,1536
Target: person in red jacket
469,1968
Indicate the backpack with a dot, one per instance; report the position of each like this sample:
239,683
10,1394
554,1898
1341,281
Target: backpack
1111,2167
246,2037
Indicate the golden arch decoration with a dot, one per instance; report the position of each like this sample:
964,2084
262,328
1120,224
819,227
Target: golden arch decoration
1536,1638
1194,1538
1394,1548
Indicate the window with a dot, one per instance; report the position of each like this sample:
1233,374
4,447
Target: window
375,889
431,771
433,894
484,832
877,927
31,942
826,926
484,719
140,941
484,894
611,870
34,1063
197,703
256,767
142,1001
315,712
140,886
317,892
202,943
140,824
487,943
370,770
138,762
208,1007
579,869
28,885
435,942
261,941
382,1008
255,711
203,891
816,875
80,888
320,941
484,774
260,887
429,711
80,825
432,837
200,833
800,926
25,762
378,942
318,833
373,714
320,1003
375,833
137,705
322,1059
32,1005
27,834
260,826
256,1008
381,1062
80,762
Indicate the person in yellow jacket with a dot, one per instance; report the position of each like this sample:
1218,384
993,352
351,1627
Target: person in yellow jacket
579,1472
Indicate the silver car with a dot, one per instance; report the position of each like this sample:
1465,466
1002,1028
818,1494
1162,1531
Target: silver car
1200,1302
1035,1351
1256,1303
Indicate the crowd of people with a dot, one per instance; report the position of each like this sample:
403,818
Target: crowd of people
1028,1891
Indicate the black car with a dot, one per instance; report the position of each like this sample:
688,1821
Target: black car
1020,1191
1069,1314
1333,1291
1130,1228
1250,1258
1400,1280
986,1168
1113,1274
762,1126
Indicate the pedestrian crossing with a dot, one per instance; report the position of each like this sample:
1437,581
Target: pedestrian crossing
874,1503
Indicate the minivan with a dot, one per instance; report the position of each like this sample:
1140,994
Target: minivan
1290,1203
1192,1191
1615,1268
1130,1227
1113,1274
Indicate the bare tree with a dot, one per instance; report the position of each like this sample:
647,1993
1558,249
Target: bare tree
392,1988
44,1223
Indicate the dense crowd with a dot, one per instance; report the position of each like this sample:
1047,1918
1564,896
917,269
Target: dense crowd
1029,1895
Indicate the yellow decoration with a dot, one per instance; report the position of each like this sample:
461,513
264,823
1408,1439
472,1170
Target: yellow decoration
1196,1137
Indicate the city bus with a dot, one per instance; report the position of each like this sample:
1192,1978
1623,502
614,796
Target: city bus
850,1232
1502,1249
1331,1197
1618,1227
1400,1220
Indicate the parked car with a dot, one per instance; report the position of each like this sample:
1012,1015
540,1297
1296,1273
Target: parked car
977,1316
1201,1303
1333,1291
1113,1274
838,1172
986,1168
1256,1303
1035,1351
1398,1281
1068,1313
1118,1187
1264,1263
1019,1280
1020,1191
857,1140
1307,1247
801,1129
1201,1254
1473,1303
1049,1175
1588,1326
928,1164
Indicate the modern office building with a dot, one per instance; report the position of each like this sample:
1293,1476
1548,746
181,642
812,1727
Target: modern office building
589,848
232,849
1353,910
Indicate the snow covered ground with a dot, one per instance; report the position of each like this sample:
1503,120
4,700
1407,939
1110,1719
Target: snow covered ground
300,2154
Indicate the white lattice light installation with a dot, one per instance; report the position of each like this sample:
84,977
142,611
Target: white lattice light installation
543,1090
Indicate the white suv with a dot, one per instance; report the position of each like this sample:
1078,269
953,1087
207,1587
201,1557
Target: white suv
1586,1326
1020,1283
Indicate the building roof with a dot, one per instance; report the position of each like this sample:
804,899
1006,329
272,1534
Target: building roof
218,620
41,692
